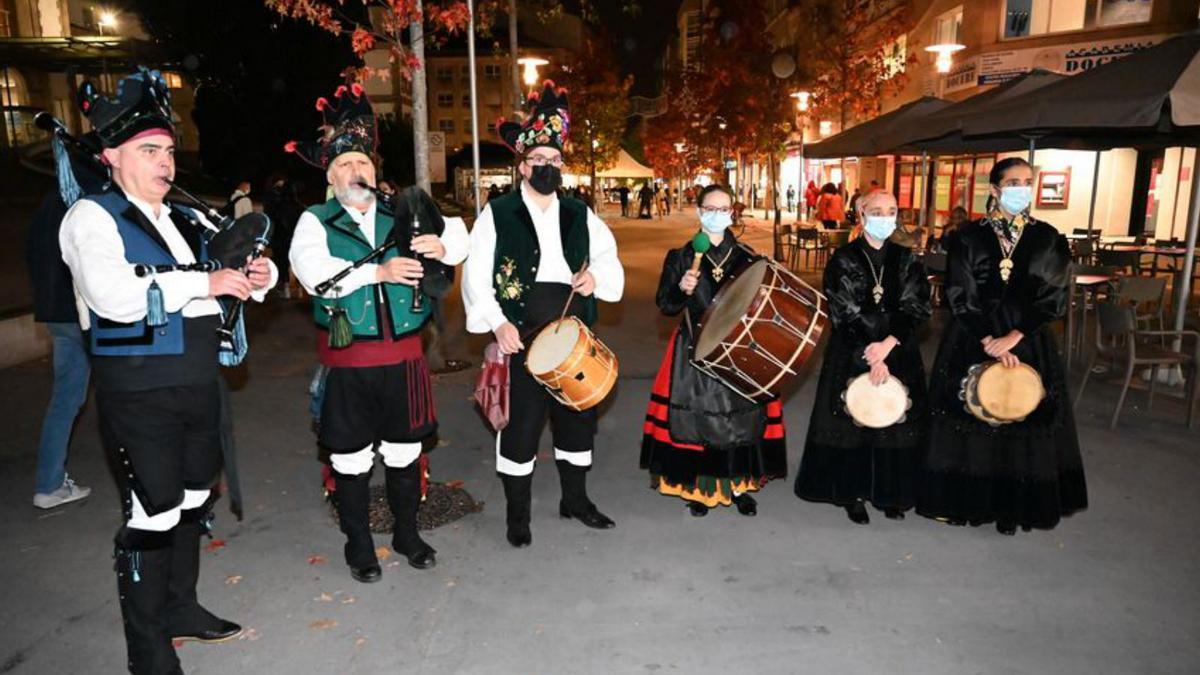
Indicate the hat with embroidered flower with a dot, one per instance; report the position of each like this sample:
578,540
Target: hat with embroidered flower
546,124
348,125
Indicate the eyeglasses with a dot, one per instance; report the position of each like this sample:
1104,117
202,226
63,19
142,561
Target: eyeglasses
539,160
723,210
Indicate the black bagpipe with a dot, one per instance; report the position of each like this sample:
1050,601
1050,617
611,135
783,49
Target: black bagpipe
413,213
229,246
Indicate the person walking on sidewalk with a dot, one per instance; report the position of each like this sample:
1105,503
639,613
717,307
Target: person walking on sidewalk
54,306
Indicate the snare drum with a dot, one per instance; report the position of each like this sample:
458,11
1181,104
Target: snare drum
998,395
760,328
876,407
572,364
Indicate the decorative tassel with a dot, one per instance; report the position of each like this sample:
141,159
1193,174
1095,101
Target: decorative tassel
232,355
135,566
156,314
68,187
341,334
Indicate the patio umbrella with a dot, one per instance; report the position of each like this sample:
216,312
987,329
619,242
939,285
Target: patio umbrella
878,136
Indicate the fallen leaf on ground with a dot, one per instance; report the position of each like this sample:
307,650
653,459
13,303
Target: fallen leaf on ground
454,484
360,642
383,552
214,545
233,580
316,560
323,624
324,597
349,601
250,634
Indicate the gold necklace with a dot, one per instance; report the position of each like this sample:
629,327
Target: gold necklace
719,267
1007,248
877,291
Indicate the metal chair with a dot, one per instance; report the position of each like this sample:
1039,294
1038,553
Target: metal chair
1127,261
1083,251
785,244
1146,295
1119,341
935,266
808,240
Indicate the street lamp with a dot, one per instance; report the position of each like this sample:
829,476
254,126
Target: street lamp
944,59
530,72
108,19
826,127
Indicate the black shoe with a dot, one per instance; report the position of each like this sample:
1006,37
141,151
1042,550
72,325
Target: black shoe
697,509
746,504
519,537
1007,529
422,559
589,516
367,575
893,514
858,513
220,631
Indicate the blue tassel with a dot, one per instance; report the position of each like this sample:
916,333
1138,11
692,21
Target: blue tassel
232,354
156,313
68,187
135,566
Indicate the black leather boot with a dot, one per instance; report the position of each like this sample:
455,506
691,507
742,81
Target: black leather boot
186,618
143,566
404,498
353,496
518,493
857,512
575,503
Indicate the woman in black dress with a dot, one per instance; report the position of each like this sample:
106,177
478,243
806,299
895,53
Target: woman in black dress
1006,282
702,441
878,296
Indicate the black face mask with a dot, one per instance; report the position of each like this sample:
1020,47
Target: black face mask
545,178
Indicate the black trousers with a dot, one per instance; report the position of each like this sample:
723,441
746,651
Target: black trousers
530,404
167,440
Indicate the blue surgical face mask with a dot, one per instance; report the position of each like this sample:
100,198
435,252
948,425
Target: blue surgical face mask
880,227
715,223
1015,199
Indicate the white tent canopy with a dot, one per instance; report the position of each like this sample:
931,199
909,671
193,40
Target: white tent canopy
626,167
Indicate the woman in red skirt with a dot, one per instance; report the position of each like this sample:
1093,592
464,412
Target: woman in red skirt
703,441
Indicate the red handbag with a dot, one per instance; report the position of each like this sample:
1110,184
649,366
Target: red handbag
491,390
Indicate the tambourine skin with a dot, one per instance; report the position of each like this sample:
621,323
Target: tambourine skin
876,407
998,395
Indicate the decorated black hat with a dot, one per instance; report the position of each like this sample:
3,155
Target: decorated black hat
348,125
143,102
546,124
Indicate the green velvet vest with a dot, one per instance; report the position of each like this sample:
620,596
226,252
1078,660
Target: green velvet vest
366,306
518,255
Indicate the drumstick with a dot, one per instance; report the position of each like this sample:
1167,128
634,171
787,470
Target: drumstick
570,298
700,244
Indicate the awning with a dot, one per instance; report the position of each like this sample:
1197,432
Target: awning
877,136
626,167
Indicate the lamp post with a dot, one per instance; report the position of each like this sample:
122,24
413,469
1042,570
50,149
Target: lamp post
801,97
721,150
944,60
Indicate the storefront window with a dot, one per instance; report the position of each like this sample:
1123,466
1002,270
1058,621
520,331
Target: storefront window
1023,18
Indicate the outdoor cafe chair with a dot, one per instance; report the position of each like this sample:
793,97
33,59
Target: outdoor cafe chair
808,241
1128,262
1147,297
785,244
1120,342
935,267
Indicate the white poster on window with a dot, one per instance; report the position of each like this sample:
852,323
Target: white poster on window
1068,59
437,157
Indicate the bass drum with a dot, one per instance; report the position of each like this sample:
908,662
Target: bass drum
760,328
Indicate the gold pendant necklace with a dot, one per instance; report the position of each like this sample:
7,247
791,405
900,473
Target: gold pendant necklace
877,291
718,271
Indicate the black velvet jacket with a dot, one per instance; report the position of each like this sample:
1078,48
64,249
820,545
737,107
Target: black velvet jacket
1035,294
855,315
